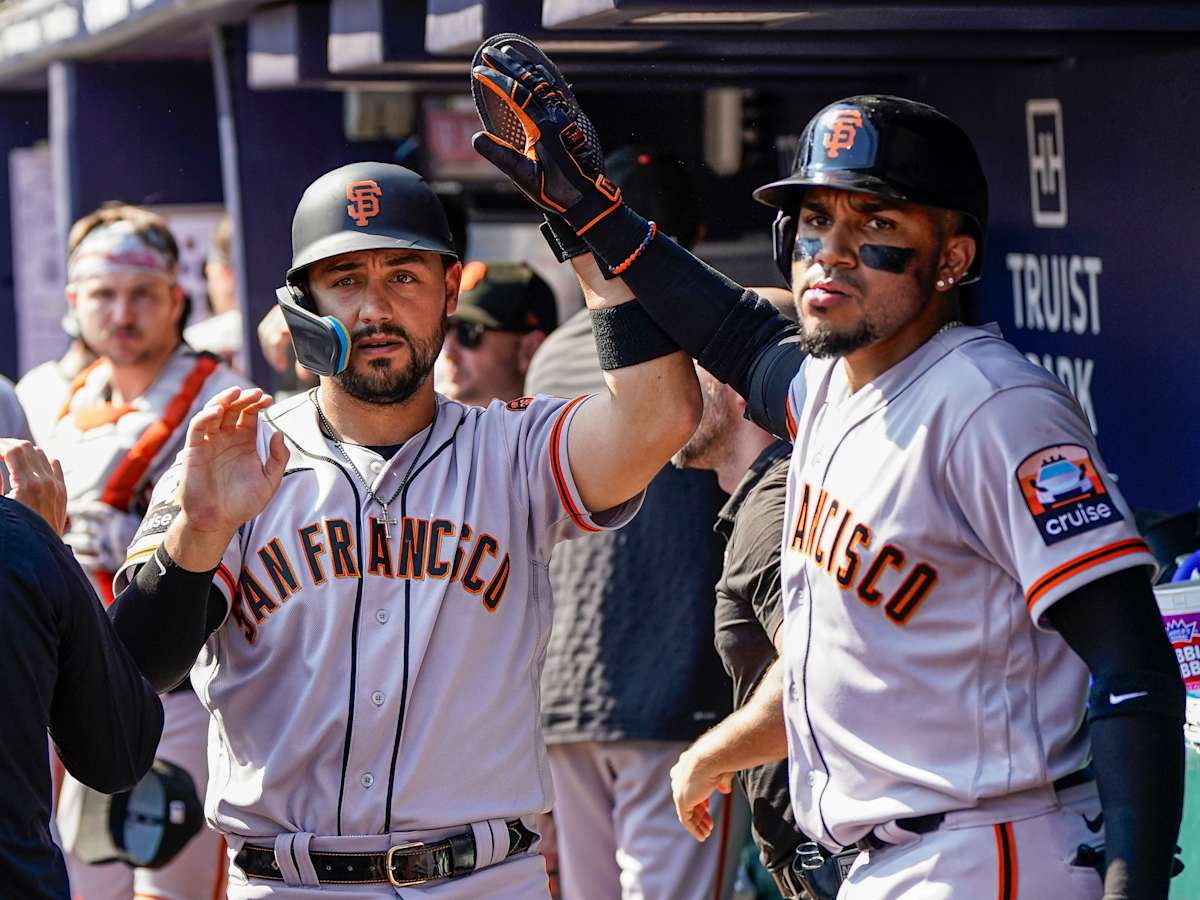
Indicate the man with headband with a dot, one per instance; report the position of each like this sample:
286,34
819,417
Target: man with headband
123,421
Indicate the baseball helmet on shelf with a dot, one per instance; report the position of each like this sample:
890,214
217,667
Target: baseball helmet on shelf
362,206
890,147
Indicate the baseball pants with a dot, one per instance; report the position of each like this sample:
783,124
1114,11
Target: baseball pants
1028,855
198,872
618,835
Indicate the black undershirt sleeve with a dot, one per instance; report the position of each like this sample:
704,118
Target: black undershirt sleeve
1115,627
164,617
732,332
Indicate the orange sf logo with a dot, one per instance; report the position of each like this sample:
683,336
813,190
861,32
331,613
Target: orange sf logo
841,135
364,201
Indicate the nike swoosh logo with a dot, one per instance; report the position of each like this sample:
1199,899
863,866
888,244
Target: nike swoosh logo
162,570
1114,699
1094,825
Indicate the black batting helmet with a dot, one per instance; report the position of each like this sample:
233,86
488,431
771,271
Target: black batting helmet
362,206
890,147
367,206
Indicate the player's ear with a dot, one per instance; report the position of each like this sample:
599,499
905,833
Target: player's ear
453,280
958,252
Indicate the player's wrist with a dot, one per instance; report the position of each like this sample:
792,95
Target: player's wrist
197,547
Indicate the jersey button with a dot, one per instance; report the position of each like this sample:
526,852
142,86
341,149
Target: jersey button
812,779
376,466
367,780
377,698
381,616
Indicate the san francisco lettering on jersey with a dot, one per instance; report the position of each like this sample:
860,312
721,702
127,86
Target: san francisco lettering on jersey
424,548
843,556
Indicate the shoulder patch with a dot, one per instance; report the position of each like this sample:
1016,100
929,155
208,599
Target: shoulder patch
520,404
1064,492
157,520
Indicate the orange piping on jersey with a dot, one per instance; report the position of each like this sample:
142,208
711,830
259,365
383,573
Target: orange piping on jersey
727,802
1006,862
230,583
119,490
564,494
791,420
76,384
1080,563
222,868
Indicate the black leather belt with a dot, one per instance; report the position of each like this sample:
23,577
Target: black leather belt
932,822
404,865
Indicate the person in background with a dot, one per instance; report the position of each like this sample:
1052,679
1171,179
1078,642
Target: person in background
221,333
123,421
43,388
62,670
504,313
631,675
751,466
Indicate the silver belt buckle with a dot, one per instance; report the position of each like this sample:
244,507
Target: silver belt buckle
809,856
392,851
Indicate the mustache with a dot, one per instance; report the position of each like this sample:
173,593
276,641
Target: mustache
395,331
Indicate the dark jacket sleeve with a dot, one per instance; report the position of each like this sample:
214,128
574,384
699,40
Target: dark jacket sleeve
105,718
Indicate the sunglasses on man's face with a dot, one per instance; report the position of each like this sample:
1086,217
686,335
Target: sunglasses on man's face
468,334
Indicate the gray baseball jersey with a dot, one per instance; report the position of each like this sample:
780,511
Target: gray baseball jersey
379,676
933,517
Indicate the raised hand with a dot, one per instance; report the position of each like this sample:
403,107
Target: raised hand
224,482
537,135
35,481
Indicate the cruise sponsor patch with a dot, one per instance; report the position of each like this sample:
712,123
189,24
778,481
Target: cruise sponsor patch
157,520
1064,492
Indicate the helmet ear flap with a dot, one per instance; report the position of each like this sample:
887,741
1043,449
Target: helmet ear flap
783,243
321,342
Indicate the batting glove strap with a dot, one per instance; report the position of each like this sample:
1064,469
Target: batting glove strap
563,242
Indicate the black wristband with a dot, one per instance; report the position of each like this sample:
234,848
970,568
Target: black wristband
626,335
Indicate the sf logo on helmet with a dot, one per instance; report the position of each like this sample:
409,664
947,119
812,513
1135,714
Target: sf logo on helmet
364,201
841,134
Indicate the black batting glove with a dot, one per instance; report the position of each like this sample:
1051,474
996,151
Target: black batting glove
560,166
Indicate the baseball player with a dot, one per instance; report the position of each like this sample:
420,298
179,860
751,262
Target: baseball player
363,570
956,560
118,429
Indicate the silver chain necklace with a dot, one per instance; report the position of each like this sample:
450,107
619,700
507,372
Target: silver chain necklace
953,323
387,521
